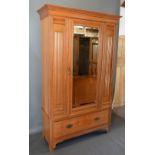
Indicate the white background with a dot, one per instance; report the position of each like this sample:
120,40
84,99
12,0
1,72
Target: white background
140,77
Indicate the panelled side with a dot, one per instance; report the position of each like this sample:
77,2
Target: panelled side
107,63
61,69
45,99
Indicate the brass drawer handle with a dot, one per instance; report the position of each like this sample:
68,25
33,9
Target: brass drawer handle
97,118
69,125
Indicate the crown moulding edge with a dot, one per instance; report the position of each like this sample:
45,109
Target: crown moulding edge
66,11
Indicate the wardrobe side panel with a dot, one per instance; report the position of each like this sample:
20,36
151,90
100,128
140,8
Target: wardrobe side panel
107,63
45,99
61,70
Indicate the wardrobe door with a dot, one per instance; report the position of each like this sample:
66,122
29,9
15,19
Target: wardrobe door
107,63
61,70
86,47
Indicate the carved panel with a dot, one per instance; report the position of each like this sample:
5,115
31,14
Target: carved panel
105,70
108,66
60,76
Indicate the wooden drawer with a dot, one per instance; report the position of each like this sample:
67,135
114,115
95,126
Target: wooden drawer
66,127
97,118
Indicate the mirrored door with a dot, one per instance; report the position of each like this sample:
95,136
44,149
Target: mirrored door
85,53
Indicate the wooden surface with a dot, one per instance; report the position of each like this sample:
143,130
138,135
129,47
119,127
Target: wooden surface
60,67
84,90
119,96
95,143
59,115
55,10
45,101
77,124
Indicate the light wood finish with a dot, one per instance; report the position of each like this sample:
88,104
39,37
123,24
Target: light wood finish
60,119
60,67
54,10
84,90
77,124
119,96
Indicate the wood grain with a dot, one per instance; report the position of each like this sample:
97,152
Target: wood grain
77,124
84,89
55,10
119,96
58,84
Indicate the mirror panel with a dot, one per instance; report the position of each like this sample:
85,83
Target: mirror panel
85,51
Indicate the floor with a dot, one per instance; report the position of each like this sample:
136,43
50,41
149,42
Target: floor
96,143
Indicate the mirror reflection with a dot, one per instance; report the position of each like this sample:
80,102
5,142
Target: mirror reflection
85,50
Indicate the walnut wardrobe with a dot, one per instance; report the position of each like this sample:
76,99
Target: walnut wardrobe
78,49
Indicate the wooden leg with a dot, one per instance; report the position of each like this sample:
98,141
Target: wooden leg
52,147
106,130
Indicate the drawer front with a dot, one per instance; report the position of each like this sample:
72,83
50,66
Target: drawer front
66,127
76,124
97,118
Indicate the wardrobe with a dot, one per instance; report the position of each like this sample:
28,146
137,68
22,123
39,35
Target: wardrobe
78,51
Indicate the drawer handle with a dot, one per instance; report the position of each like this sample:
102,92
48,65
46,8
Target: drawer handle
69,126
97,118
